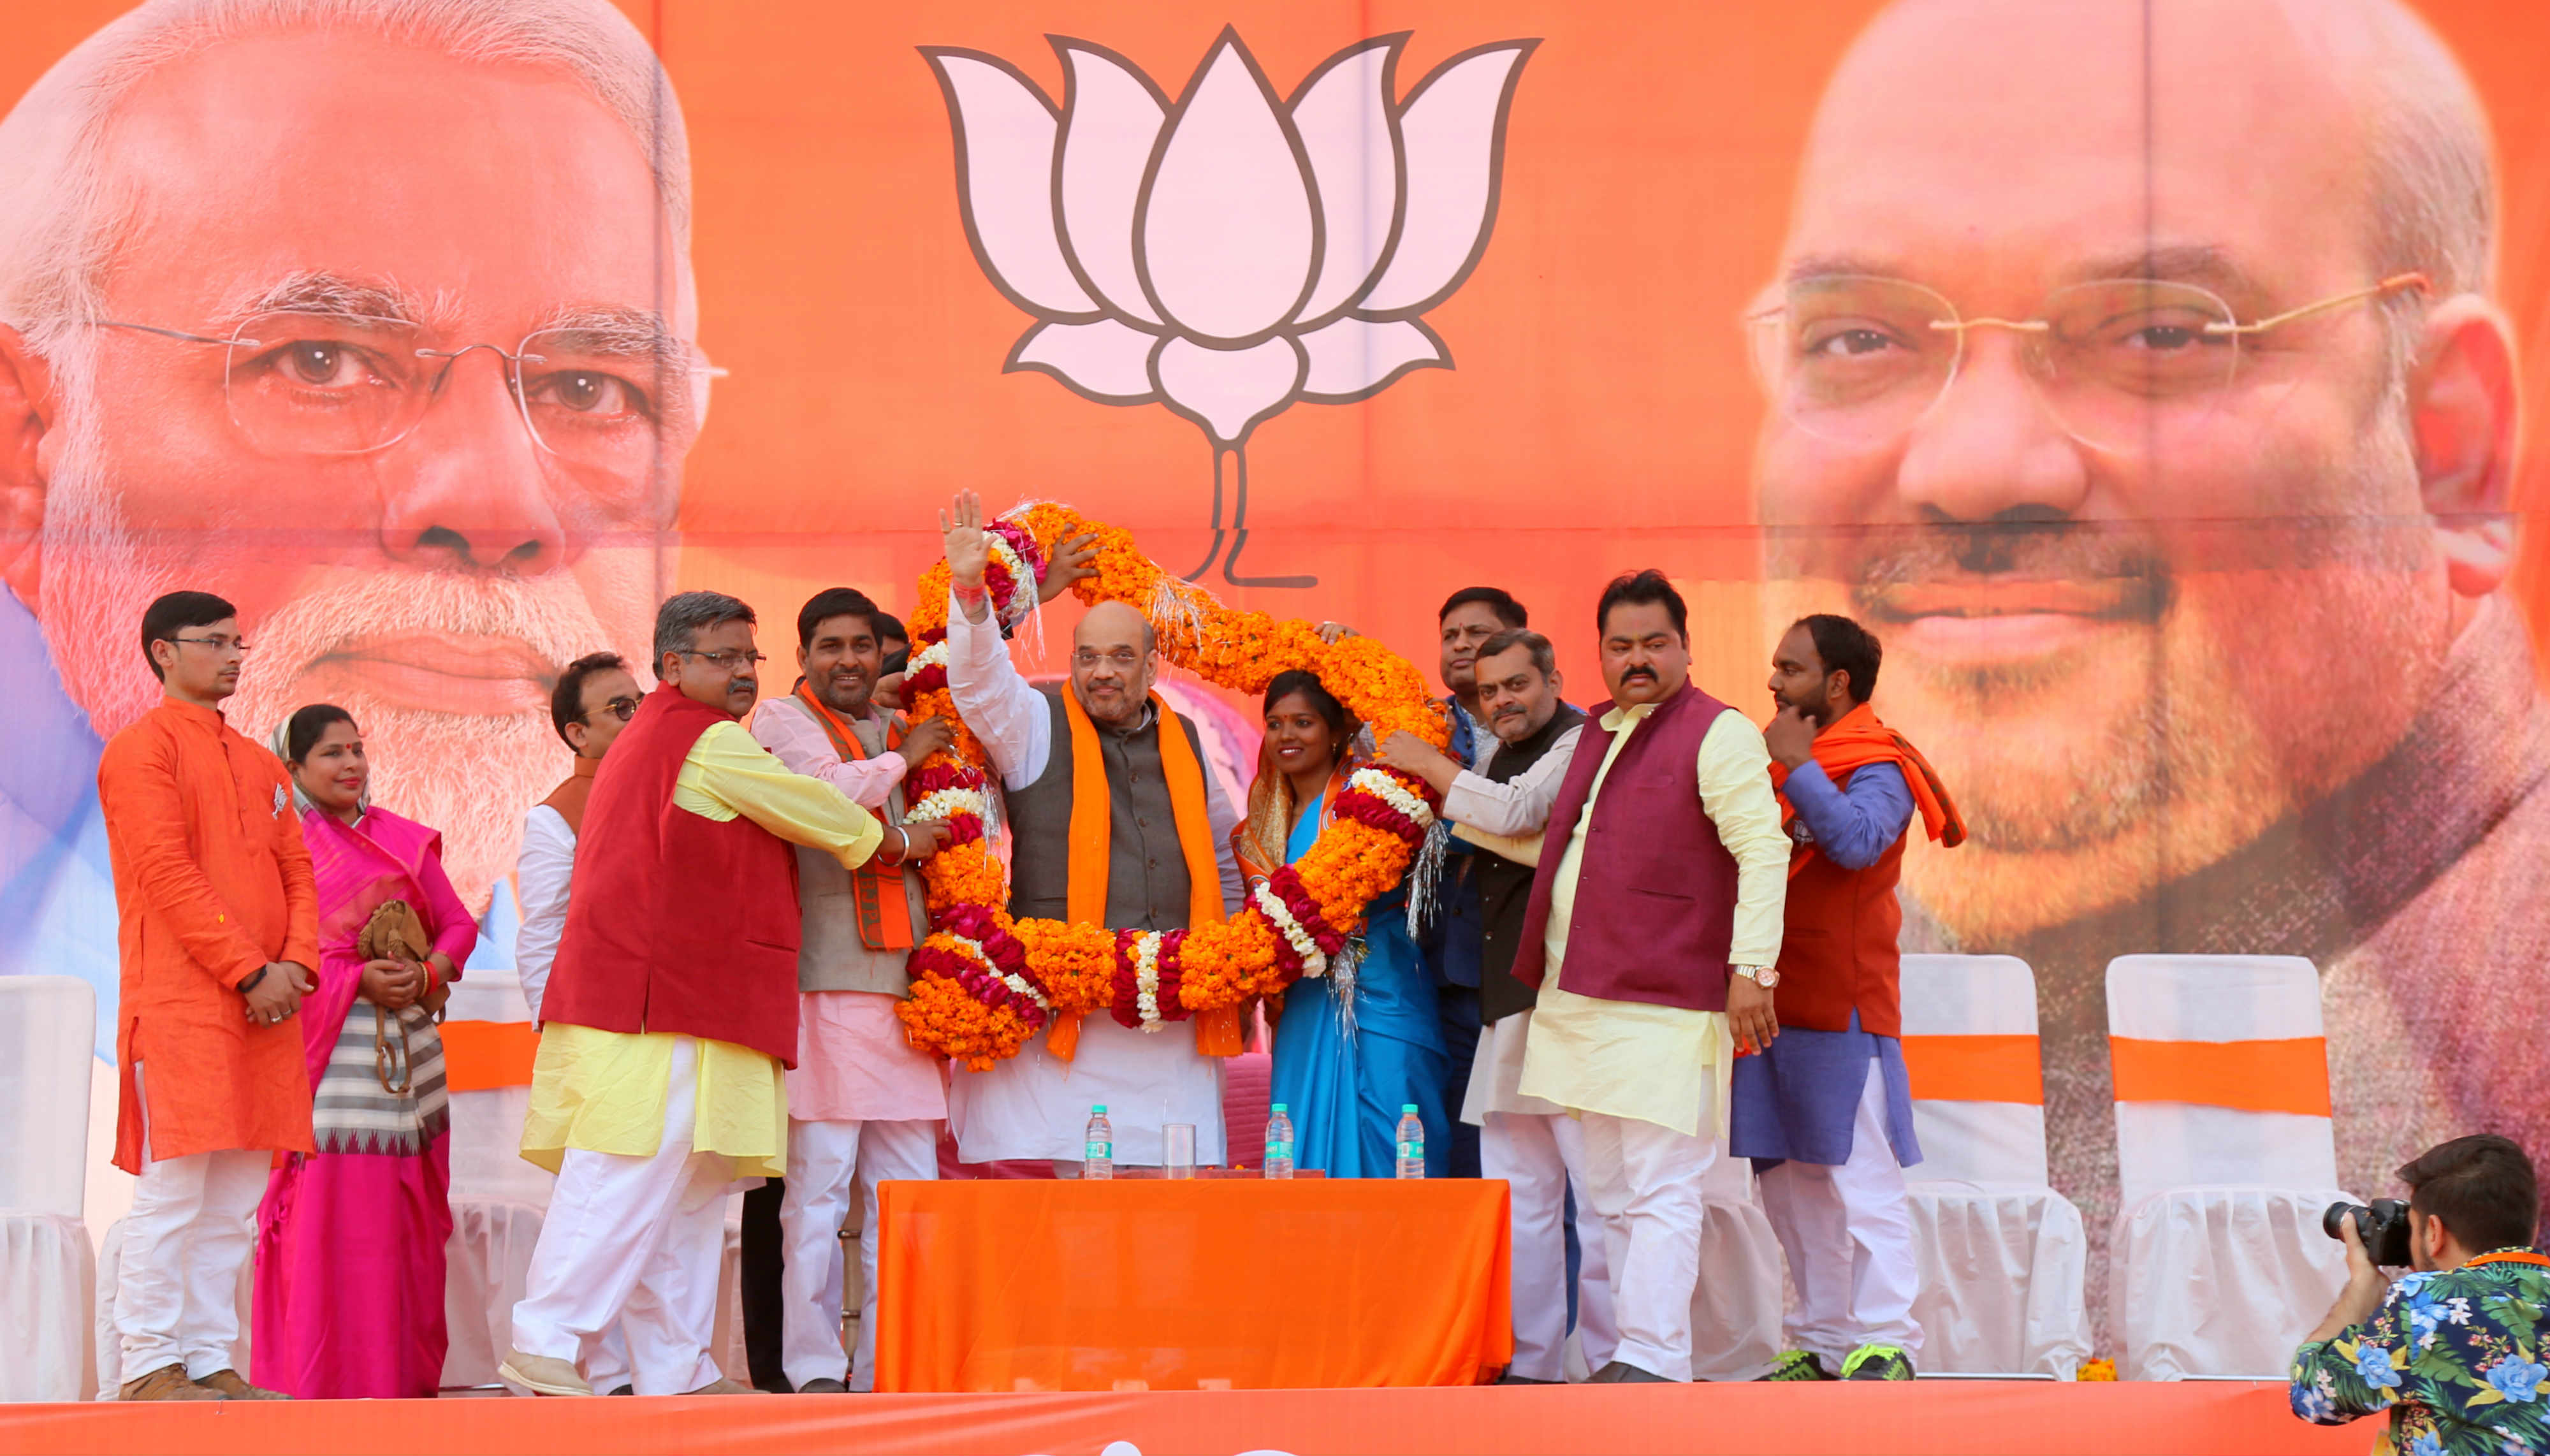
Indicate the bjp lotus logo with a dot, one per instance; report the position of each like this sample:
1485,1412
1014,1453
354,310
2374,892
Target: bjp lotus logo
1228,252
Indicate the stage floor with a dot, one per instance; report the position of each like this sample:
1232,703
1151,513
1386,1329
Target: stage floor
1945,1417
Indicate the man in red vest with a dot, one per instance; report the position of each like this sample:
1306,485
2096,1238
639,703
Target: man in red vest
1827,1114
1654,925
670,1014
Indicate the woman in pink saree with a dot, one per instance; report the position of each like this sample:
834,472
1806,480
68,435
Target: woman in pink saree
349,1263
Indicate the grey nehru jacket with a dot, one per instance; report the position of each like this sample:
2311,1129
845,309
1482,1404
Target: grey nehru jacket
831,958
1147,884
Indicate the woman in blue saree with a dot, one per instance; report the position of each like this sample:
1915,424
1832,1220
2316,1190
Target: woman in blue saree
1354,1046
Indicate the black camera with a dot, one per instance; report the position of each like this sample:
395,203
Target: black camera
2382,1224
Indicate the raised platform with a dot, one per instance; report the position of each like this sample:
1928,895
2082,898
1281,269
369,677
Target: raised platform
1946,1417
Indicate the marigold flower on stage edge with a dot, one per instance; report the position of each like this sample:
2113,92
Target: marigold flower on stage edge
957,1009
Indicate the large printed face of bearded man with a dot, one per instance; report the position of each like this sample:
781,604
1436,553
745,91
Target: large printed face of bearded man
2022,423
384,344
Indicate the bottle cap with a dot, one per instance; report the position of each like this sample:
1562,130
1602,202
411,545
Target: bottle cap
1279,1107
1098,1110
1406,1107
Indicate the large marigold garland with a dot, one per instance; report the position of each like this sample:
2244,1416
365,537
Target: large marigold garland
983,984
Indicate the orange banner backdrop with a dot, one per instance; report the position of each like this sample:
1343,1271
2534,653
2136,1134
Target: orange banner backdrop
2219,627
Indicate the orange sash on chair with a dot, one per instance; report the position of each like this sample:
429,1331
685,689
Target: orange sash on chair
1092,834
885,920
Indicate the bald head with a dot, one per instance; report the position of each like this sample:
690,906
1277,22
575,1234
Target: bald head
2140,506
1113,625
2115,115
1112,663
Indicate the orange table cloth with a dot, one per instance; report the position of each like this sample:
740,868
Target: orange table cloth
1242,1283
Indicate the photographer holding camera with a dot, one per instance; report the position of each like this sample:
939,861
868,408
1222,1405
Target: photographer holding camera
2454,1350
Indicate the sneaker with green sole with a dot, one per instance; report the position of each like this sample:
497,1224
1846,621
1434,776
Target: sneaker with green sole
1877,1362
1798,1365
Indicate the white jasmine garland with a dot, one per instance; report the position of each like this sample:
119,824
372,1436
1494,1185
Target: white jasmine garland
1022,580
934,655
1146,979
1019,984
1390,791
1314,961
941,806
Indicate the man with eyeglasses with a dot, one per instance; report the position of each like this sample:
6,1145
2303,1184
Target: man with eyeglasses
219,939
670,1015
594,699
1167,865
2133,369
339,354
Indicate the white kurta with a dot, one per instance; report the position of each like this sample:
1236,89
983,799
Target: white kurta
1035,1105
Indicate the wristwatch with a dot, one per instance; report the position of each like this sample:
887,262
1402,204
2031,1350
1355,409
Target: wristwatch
1762,976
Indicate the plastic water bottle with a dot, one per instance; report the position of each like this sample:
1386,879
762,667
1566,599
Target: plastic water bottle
1098,1145
1279,1144
1412,1142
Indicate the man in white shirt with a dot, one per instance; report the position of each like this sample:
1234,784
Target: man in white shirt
1655,893
594,699
1501,808
1037,1104
595,696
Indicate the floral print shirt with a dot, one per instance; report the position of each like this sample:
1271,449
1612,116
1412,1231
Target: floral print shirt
2456,1357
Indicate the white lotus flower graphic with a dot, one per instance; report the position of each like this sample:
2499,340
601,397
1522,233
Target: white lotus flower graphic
1229,252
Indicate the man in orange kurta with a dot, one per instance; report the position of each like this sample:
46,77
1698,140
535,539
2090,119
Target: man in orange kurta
218,930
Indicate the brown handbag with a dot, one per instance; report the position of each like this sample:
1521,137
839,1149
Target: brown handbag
395,933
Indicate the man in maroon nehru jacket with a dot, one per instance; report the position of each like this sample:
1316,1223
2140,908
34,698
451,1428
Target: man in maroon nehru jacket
1653,925
670,1014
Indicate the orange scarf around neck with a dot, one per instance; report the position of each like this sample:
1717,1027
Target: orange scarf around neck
1857,740
1092,839
876,890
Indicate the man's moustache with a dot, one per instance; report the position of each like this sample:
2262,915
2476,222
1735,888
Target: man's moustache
2123,573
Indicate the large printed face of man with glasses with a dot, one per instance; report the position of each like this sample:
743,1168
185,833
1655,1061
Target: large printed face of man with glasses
2131,377
388,347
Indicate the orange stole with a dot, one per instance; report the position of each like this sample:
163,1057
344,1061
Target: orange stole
874,888
1092,836
1857,740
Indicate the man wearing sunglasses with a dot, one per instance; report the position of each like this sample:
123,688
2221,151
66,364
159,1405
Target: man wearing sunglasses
387,340
2133,369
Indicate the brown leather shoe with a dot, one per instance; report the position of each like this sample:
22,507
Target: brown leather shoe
167,1383
232,1388
724,1387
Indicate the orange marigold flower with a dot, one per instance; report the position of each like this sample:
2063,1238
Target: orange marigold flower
1221,965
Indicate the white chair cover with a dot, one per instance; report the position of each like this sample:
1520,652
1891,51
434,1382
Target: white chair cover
1736,1308
497,1199
110,1350
2221,1280
48,1280
48,1271
2003,1255
2217,1265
